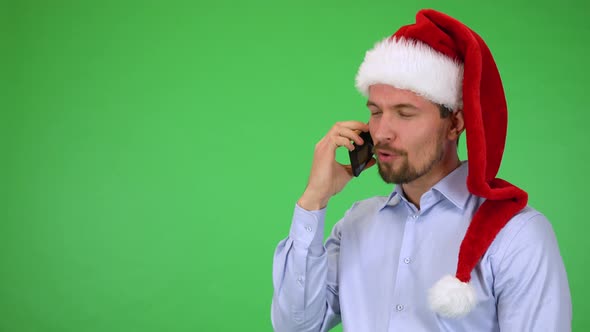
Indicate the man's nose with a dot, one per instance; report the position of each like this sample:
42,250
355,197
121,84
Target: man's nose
382,131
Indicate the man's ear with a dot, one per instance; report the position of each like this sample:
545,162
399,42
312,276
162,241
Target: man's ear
457,125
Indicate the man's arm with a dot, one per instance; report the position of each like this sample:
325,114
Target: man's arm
304,271
304,276
531,283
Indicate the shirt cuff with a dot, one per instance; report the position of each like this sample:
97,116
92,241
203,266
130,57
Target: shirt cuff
307,227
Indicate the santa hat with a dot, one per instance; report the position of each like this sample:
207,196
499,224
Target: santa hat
446,62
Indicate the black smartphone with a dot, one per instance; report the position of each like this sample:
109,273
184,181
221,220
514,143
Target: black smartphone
360,156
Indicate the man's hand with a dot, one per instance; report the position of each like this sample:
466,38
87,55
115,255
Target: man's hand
328,177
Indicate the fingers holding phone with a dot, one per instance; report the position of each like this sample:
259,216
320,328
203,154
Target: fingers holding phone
346,137
327,176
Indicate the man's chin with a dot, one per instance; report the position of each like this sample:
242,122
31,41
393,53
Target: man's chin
388,174
394,176
389,168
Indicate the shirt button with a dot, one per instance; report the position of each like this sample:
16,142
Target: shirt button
399,307
300,280
308,228
407,260
414,216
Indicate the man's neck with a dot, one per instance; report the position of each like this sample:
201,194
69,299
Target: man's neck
415,189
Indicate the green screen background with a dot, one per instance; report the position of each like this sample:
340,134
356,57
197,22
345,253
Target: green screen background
152,152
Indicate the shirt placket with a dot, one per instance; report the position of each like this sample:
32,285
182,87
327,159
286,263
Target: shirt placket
402,299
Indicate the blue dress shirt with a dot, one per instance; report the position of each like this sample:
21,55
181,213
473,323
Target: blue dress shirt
375,269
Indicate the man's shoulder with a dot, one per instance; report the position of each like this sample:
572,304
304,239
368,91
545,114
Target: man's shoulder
528,217
527,227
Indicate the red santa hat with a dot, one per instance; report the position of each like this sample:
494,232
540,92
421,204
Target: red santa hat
446,62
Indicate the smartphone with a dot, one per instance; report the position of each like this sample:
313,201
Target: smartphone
360,156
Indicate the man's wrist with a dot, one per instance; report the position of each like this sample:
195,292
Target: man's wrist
311,202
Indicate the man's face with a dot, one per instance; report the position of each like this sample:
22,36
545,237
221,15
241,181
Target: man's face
409,134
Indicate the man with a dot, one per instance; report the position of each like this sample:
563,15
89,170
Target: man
453,248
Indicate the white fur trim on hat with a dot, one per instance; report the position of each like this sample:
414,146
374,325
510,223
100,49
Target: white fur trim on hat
412,65
450,297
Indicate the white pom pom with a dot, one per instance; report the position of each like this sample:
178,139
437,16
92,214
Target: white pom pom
450,297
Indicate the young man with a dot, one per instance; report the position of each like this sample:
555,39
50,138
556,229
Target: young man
453,248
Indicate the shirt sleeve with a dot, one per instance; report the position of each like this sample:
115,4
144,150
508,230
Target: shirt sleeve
303,299
530,282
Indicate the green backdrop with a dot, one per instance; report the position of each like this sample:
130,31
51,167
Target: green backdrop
153,151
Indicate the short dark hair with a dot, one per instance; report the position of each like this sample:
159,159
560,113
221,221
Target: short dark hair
445,111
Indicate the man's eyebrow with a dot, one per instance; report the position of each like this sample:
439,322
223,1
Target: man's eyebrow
393,107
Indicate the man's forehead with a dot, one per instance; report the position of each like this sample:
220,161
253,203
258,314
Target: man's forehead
389,97
380,93
392,106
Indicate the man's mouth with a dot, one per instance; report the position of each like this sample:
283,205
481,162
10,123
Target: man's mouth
386,155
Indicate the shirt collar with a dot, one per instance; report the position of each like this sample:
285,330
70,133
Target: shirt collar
393,199
453,187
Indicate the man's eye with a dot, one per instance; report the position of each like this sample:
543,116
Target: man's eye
405,115
373,113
